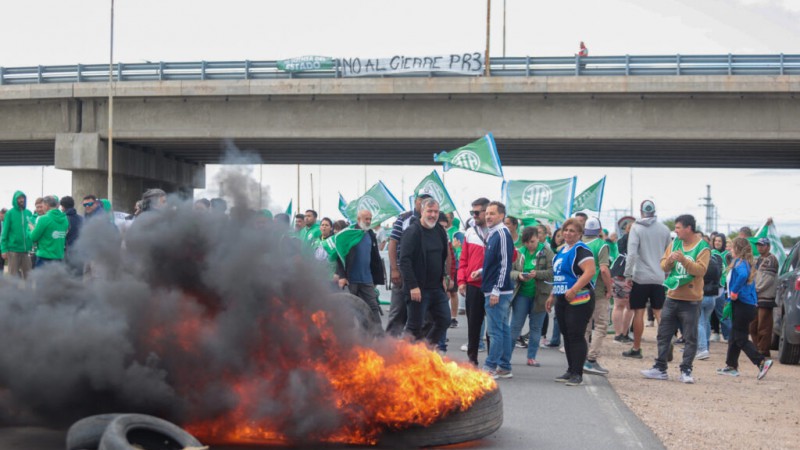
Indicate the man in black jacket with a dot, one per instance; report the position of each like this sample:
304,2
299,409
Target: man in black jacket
363,268
74,263
424,255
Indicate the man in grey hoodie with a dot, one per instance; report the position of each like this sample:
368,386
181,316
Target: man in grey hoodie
647,242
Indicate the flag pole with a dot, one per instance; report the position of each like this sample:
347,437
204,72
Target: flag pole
311,176
487,72
298,188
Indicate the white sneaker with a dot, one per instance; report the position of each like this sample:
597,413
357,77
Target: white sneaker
561,349
702,355
464,348
714,337
480,349
686,377
655,374
649,324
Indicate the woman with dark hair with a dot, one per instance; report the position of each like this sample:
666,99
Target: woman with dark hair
512,223
557,241
742,303
573,297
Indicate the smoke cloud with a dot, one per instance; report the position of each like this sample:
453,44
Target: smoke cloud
169,322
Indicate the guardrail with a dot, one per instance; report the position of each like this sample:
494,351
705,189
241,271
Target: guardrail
527,66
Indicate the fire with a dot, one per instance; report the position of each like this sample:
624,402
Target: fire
393,386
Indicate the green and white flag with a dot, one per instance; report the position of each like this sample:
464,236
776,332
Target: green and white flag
342,205
340,244
551,199
592,198
433,186
289,209
378,200
304,63
775,244
479,156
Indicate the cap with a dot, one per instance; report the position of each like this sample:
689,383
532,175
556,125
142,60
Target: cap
648,208
763,241
592,227
423,195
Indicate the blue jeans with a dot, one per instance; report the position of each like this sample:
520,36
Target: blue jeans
555,336
435,301
724,325
499,331
704,325
521,309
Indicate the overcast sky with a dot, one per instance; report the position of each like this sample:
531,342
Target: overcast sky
51,32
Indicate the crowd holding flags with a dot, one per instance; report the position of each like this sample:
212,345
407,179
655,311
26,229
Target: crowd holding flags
377,200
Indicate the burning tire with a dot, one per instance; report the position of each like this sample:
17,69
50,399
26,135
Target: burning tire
146,431
362,315
482,419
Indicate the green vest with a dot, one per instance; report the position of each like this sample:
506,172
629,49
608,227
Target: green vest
595,246
678,276
528,288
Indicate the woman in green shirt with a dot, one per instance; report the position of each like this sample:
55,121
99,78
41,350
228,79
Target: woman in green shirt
531,272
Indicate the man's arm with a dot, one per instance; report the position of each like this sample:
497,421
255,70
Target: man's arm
697,268
408,247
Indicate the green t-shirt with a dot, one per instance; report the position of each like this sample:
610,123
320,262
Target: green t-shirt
528,288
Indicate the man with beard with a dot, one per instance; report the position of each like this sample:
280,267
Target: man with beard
363,267
423,265
469,279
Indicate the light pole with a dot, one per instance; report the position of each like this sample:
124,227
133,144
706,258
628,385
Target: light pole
488,27
111,112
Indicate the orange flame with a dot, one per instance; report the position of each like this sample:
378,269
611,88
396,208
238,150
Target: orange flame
403,385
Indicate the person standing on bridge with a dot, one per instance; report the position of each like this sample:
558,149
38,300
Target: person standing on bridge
15,242
573,298
582,53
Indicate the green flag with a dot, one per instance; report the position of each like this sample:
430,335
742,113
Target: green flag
551,199
775,245
289,209
340,244
591,199
479,156
378,200
433,186
342,205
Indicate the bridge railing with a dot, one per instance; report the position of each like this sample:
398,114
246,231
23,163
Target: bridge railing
627,65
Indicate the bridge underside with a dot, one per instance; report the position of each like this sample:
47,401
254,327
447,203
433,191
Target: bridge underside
513,152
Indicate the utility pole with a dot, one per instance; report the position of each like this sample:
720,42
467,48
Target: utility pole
111,112
709,210
487,72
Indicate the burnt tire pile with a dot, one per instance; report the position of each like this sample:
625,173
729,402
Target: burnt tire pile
125,431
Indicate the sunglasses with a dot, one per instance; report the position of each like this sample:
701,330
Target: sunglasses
88,204
477,213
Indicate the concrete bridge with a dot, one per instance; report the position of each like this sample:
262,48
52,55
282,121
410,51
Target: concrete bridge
166,131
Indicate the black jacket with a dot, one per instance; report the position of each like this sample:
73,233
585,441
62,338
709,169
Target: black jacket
413,258
75,223
712,276
375,262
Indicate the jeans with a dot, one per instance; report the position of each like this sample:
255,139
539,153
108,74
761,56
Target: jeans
499,330
555,337
742,314
41,262
438,303
398,312
724,325
521,309
704,325
573,320
677,312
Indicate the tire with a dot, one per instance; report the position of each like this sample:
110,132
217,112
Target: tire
151,433
787,353
86,433
362,315
482,419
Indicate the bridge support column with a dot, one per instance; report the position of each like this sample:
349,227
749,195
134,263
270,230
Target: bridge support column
135,171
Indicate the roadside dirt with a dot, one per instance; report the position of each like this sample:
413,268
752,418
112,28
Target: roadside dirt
715,412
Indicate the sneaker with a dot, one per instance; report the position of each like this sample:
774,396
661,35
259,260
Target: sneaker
729,371
649,324
686,377
521,343
543,343
481,349
561,349
563,378
763,368
655,374
619,339
491,372
453,323
714,337
533,363
575,380
702,355
594,368
503,373
464,348
633,353
462,312
628,339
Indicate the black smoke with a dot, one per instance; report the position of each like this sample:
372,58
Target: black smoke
112,342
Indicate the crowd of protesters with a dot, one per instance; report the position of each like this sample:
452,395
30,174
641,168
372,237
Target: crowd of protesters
569,283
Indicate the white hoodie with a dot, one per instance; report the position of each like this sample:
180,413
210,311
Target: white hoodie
647,242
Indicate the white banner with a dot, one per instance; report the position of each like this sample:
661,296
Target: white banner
463,63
